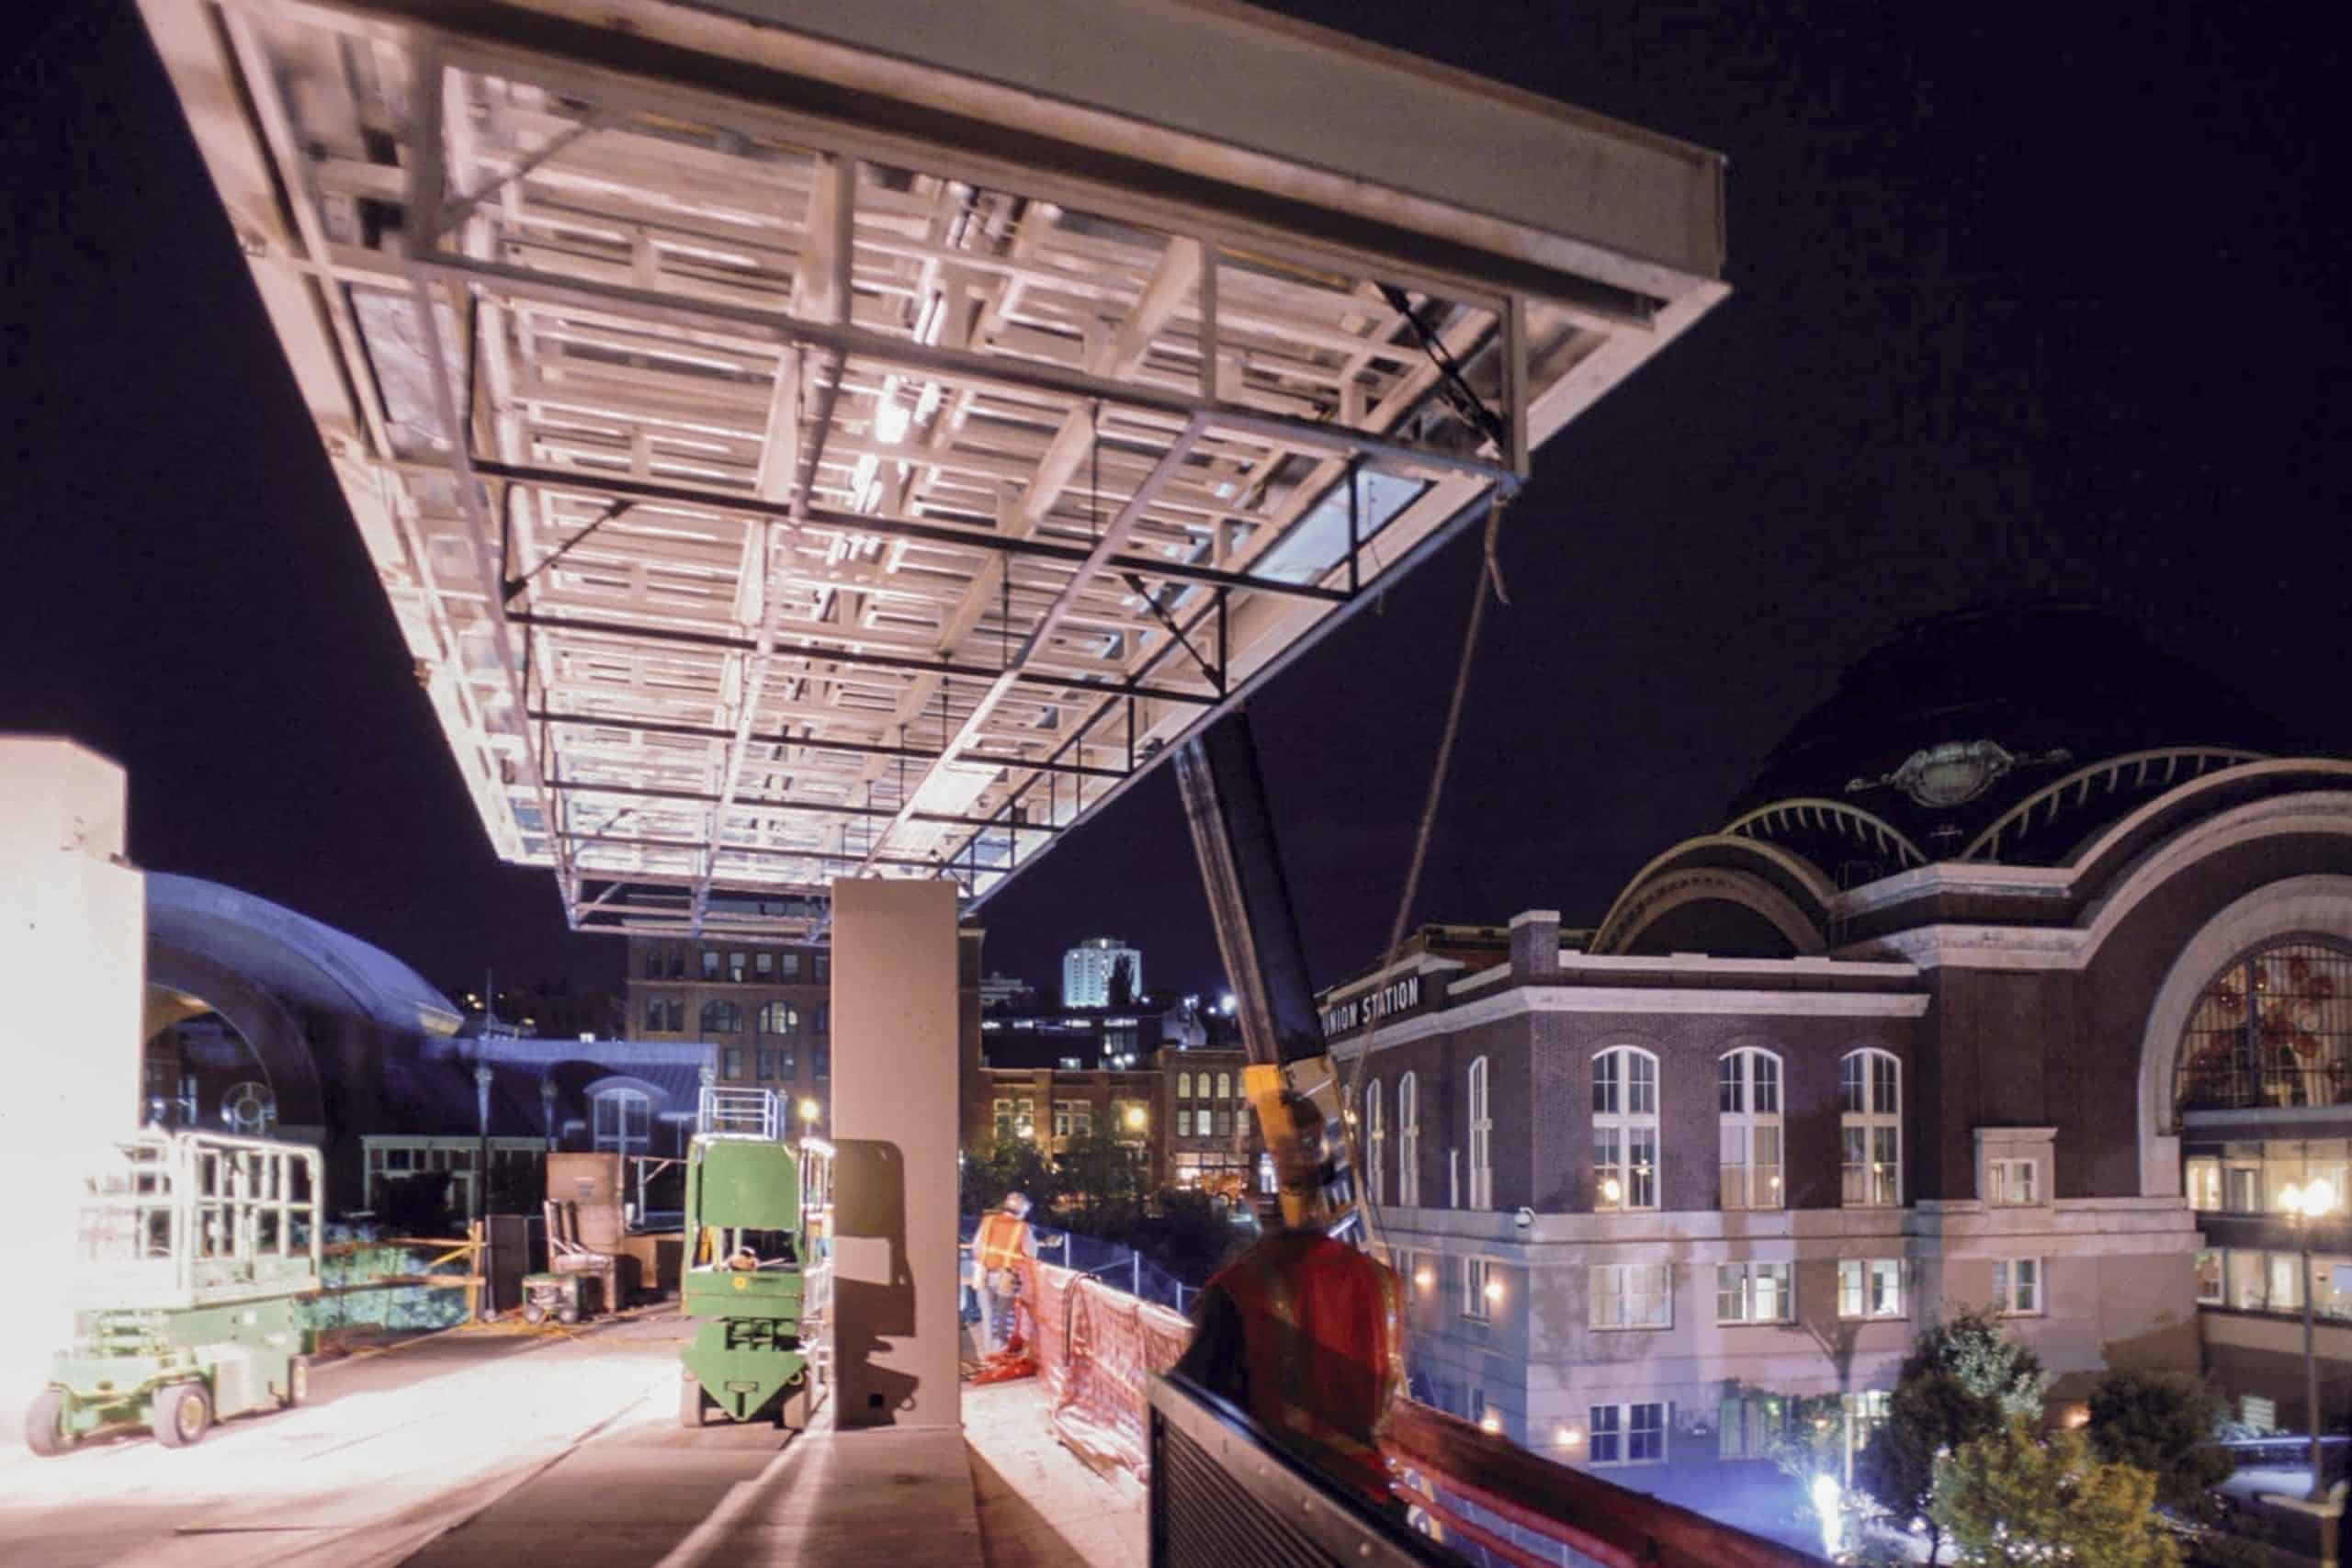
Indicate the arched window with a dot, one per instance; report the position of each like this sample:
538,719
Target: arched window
1224,1085
1748,1102
623,1121
1409,1141
780,1018
1625,1129
722,1018
2274,1028
1482,1132
1872,1125
1184,1085
1375,1143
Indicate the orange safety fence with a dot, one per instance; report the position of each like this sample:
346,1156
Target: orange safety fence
1096,1348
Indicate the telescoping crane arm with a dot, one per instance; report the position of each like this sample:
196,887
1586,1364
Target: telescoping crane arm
1257,935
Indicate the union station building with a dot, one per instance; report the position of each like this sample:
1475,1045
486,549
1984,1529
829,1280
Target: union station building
2021,975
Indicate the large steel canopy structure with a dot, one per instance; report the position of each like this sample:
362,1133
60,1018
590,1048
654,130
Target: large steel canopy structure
821,437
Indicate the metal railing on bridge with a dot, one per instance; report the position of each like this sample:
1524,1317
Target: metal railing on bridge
1474,1496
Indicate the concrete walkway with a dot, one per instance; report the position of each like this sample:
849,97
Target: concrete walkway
1040,1504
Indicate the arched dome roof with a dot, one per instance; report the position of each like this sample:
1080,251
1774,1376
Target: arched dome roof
1956,719
293,955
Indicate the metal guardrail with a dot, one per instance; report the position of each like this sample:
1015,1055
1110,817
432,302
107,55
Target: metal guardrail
1220,1493
740,1112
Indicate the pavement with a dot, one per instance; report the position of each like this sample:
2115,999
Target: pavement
476,1447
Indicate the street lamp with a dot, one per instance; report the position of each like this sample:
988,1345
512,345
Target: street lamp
807,1115
2305,1204
1135,1118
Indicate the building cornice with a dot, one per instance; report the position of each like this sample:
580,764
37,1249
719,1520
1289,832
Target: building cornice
1955,946
1954,879
1638,999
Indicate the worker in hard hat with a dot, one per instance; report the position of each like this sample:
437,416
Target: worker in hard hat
1305,1334
1004,1251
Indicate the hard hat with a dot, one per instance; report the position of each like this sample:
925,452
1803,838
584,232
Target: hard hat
1303,1169
1016,1203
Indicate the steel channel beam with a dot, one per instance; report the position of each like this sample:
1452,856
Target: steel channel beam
587,481
767,803
947,364
979,672
816,743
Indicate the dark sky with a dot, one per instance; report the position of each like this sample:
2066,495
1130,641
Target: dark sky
2019,313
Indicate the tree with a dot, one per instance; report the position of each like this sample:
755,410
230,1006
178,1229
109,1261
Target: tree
1098,1174
1008,1165
2007,1501
1965,1379
2162,1422
1123,982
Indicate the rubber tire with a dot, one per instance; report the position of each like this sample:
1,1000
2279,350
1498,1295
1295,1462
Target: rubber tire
183,1414
533,1313
567,1314
45,1431
691,1402
298,1384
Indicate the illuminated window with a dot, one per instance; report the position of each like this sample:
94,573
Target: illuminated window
1482,1132
1184,1121
2013,1183
780,1018
1409,1141
2202,1177
1631,1295
1748,1102
2273,1028
1375,1143
1746,1425
1871,1126
1476,1274
1625,1129
2016,1285
2209,1279
1184,1085
1224,1085
1869,1287
1754,1292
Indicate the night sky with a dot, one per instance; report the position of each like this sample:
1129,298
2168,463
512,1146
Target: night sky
2018,313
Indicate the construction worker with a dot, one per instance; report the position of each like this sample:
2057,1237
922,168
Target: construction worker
1004,1251
1303,1332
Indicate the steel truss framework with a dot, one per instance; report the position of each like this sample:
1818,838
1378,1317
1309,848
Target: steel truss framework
768,497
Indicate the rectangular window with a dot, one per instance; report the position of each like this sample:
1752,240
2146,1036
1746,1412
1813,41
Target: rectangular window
1865,1412
2241,1179
1870,1168
2013,1183
653,967
1754,1292
1751,1165
1745,1426
734,1063
1004,1119
2203,1176
736,965
1628,1434
824,1019
787,1062
1869,1287
2332,1287
824,1061
2244,1272
709,964
764,964
823,965
2285,1293
1476,1274
1225,1123
1631,1296
2017,1286
1185,1122
767,1060
2209,1279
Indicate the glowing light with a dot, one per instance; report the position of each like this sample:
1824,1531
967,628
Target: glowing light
1827,1501
2311,1201
1135,1116
1227,1005
1424,1277
1490,1422
891,419
1568,1437
807,1110
1494,1290
1612,1189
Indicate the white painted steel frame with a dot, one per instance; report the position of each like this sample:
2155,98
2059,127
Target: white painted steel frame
768,493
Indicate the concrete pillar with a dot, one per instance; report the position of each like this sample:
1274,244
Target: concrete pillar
1534,944
72,969
896,1081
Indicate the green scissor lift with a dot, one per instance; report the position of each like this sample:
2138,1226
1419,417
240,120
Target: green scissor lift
754,1273
195,1250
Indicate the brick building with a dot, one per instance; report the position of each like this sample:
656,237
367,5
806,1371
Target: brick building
1934,1016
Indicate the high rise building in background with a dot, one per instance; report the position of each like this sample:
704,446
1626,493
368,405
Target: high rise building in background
1087,969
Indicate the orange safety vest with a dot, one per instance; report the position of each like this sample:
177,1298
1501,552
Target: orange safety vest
1000,1242
1322,1330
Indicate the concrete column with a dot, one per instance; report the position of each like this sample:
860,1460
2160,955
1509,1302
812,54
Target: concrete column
73,969
896,1083
1534,944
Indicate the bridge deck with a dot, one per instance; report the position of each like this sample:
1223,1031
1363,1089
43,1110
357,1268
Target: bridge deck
482,1448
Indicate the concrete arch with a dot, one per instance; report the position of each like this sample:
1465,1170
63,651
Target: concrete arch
2317,905
1708,884
272,1031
